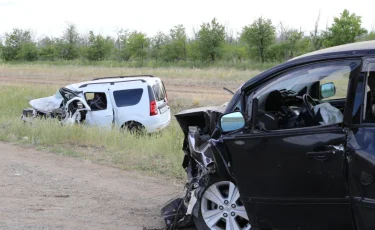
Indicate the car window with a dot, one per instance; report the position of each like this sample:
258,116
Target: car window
96,100
340,79
127,97
159,91
238,106
293,99
369,96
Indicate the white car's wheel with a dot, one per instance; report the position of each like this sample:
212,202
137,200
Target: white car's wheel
222,209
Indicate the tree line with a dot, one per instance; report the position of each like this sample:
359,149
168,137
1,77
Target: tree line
260,41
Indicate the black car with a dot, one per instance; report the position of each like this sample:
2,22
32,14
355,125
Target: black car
293,149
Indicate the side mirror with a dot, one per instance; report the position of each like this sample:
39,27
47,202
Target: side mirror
232,121
327,90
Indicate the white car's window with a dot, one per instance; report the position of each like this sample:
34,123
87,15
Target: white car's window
128,97
159,91
96,100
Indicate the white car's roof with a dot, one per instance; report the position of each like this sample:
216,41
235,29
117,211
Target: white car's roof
149,80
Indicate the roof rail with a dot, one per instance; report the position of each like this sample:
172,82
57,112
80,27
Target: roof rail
141,75
109,82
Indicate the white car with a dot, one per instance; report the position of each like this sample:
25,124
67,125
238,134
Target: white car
132,102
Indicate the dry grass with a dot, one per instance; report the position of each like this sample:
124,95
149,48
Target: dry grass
79,73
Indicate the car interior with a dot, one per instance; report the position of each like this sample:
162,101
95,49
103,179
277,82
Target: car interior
305,99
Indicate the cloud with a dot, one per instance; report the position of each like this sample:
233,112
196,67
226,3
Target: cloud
4,3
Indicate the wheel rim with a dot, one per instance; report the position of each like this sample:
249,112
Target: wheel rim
222,208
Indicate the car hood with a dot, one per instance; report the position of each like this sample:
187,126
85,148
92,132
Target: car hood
46,104
203,117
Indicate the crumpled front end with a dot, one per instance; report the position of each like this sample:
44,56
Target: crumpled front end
199,163
66,106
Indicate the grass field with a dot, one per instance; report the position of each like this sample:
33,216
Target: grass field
158,153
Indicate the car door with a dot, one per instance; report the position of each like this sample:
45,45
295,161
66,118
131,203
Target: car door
293,178
361,152
130,102
97,97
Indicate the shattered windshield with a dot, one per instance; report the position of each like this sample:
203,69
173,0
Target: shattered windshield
58,95
67,94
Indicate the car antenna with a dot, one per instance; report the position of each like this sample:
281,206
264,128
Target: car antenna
230,91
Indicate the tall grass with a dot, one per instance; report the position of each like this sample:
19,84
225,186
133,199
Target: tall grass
157,153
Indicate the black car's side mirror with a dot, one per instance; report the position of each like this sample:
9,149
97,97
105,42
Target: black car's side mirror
327,90
231,122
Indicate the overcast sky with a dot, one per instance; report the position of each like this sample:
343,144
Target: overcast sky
49,17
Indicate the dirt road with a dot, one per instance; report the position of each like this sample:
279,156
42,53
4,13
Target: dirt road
46,191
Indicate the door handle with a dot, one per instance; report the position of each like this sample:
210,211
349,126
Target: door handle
328,152
325,153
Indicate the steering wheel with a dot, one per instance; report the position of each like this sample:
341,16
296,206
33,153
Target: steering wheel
309,104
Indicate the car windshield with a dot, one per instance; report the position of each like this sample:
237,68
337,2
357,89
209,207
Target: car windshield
58,95
305,76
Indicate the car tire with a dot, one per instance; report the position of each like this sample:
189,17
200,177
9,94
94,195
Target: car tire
135,128
228,212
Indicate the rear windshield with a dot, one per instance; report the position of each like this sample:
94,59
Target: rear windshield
159,91
127,97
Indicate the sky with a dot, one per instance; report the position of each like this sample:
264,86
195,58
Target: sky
50,17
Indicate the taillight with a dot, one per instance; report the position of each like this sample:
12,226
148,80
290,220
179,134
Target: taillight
153,108
166,96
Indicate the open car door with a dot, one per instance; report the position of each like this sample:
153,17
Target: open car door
101,110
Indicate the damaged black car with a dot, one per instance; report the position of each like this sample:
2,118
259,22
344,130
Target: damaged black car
293,149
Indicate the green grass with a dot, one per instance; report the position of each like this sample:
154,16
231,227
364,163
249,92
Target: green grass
157,153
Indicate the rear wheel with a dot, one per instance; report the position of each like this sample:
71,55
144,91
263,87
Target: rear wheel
221,208
134,127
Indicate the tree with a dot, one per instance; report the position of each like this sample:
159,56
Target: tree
176,49
345,29
192,50
70,39
316,37
18,45
289,43
121,45
369,36
211,38
48,49
137,45
157,44
260,34
98,47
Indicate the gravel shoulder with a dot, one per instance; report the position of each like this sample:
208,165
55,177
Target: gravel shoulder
41,190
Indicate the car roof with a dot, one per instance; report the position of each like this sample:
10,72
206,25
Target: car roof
357,49
358,46
149,79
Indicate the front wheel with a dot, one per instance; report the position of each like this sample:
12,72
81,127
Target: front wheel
221,208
